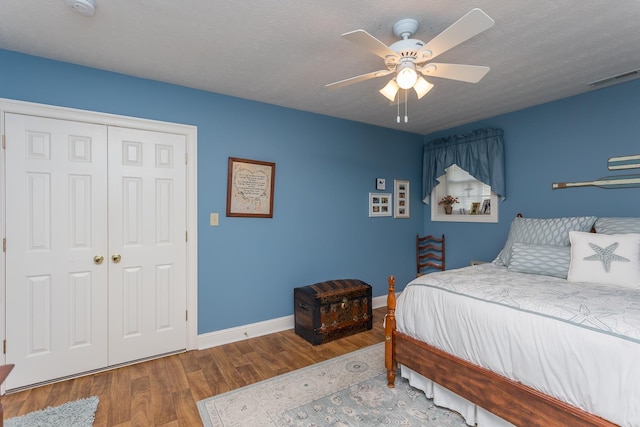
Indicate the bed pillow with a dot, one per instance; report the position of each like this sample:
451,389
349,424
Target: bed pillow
548,231
611,225
547,260
609,259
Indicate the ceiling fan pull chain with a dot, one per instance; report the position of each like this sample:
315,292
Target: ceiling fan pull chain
398,104
406,111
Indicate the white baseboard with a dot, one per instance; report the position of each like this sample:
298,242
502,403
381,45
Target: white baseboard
239,333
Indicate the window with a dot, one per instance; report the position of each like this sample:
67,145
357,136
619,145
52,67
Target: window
476,201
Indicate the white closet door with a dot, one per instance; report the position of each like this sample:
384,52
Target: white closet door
76,192
56,188
147,243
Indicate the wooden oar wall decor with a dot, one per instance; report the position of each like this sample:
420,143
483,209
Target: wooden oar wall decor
624,162
619,181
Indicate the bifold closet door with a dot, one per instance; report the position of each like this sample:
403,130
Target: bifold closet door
96,246
147,244
56,231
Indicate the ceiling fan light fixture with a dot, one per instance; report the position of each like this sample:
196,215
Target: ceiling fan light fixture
407,75
390,90
422,87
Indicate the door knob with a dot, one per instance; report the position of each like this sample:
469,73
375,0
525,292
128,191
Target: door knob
116,258
98,259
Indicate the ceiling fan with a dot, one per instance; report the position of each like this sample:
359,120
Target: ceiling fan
408,57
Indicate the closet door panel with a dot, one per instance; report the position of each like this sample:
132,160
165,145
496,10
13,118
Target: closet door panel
147,221
56,216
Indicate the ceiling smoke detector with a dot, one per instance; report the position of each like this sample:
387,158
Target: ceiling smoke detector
83,7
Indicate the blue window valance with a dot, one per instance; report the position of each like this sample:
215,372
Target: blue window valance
480,153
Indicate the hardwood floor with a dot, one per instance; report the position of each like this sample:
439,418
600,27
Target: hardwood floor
164,392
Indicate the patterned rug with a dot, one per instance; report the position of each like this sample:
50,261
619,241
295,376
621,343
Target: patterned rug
349,390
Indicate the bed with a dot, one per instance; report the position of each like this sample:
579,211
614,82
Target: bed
548,334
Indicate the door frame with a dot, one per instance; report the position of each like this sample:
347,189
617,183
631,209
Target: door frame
191,134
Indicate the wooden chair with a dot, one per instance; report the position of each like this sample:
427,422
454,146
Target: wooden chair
430,254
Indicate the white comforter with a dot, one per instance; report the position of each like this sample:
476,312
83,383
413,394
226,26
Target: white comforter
578,342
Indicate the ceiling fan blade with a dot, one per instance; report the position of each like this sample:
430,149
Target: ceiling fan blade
358,79
470,25
372,44
460,72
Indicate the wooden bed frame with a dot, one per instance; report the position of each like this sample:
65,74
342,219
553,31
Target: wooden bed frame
510,400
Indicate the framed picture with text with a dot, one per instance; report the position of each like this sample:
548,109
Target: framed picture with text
250,186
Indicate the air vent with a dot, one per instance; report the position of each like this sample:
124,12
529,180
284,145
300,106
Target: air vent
629,75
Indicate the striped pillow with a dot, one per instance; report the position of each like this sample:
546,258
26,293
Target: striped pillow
547,260
549,231
611,225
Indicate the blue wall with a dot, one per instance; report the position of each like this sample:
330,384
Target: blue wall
565,140
325,168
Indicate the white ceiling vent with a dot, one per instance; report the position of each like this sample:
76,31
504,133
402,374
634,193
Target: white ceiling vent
619,78
83,7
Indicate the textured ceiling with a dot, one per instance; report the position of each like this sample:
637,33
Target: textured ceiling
283,52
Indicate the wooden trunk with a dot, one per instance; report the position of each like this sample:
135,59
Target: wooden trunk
333,309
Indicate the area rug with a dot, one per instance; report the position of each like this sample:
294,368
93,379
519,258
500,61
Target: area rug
349,390
80,413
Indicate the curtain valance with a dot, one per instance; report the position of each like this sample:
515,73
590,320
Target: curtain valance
480,153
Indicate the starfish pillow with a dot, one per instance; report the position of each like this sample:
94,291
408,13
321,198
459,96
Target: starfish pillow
608,259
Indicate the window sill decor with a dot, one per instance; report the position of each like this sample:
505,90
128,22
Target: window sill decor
477,212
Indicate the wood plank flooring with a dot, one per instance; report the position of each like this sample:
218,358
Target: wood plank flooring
164,392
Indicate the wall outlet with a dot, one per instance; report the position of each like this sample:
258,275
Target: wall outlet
213,219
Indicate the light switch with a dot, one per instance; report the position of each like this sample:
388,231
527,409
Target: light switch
213,219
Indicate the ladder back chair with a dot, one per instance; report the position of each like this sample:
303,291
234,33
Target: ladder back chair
430,254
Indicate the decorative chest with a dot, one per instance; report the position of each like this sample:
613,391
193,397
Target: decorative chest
333,309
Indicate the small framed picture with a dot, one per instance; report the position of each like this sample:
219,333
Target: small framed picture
475,208
486,207
401,195
381,184
379,204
